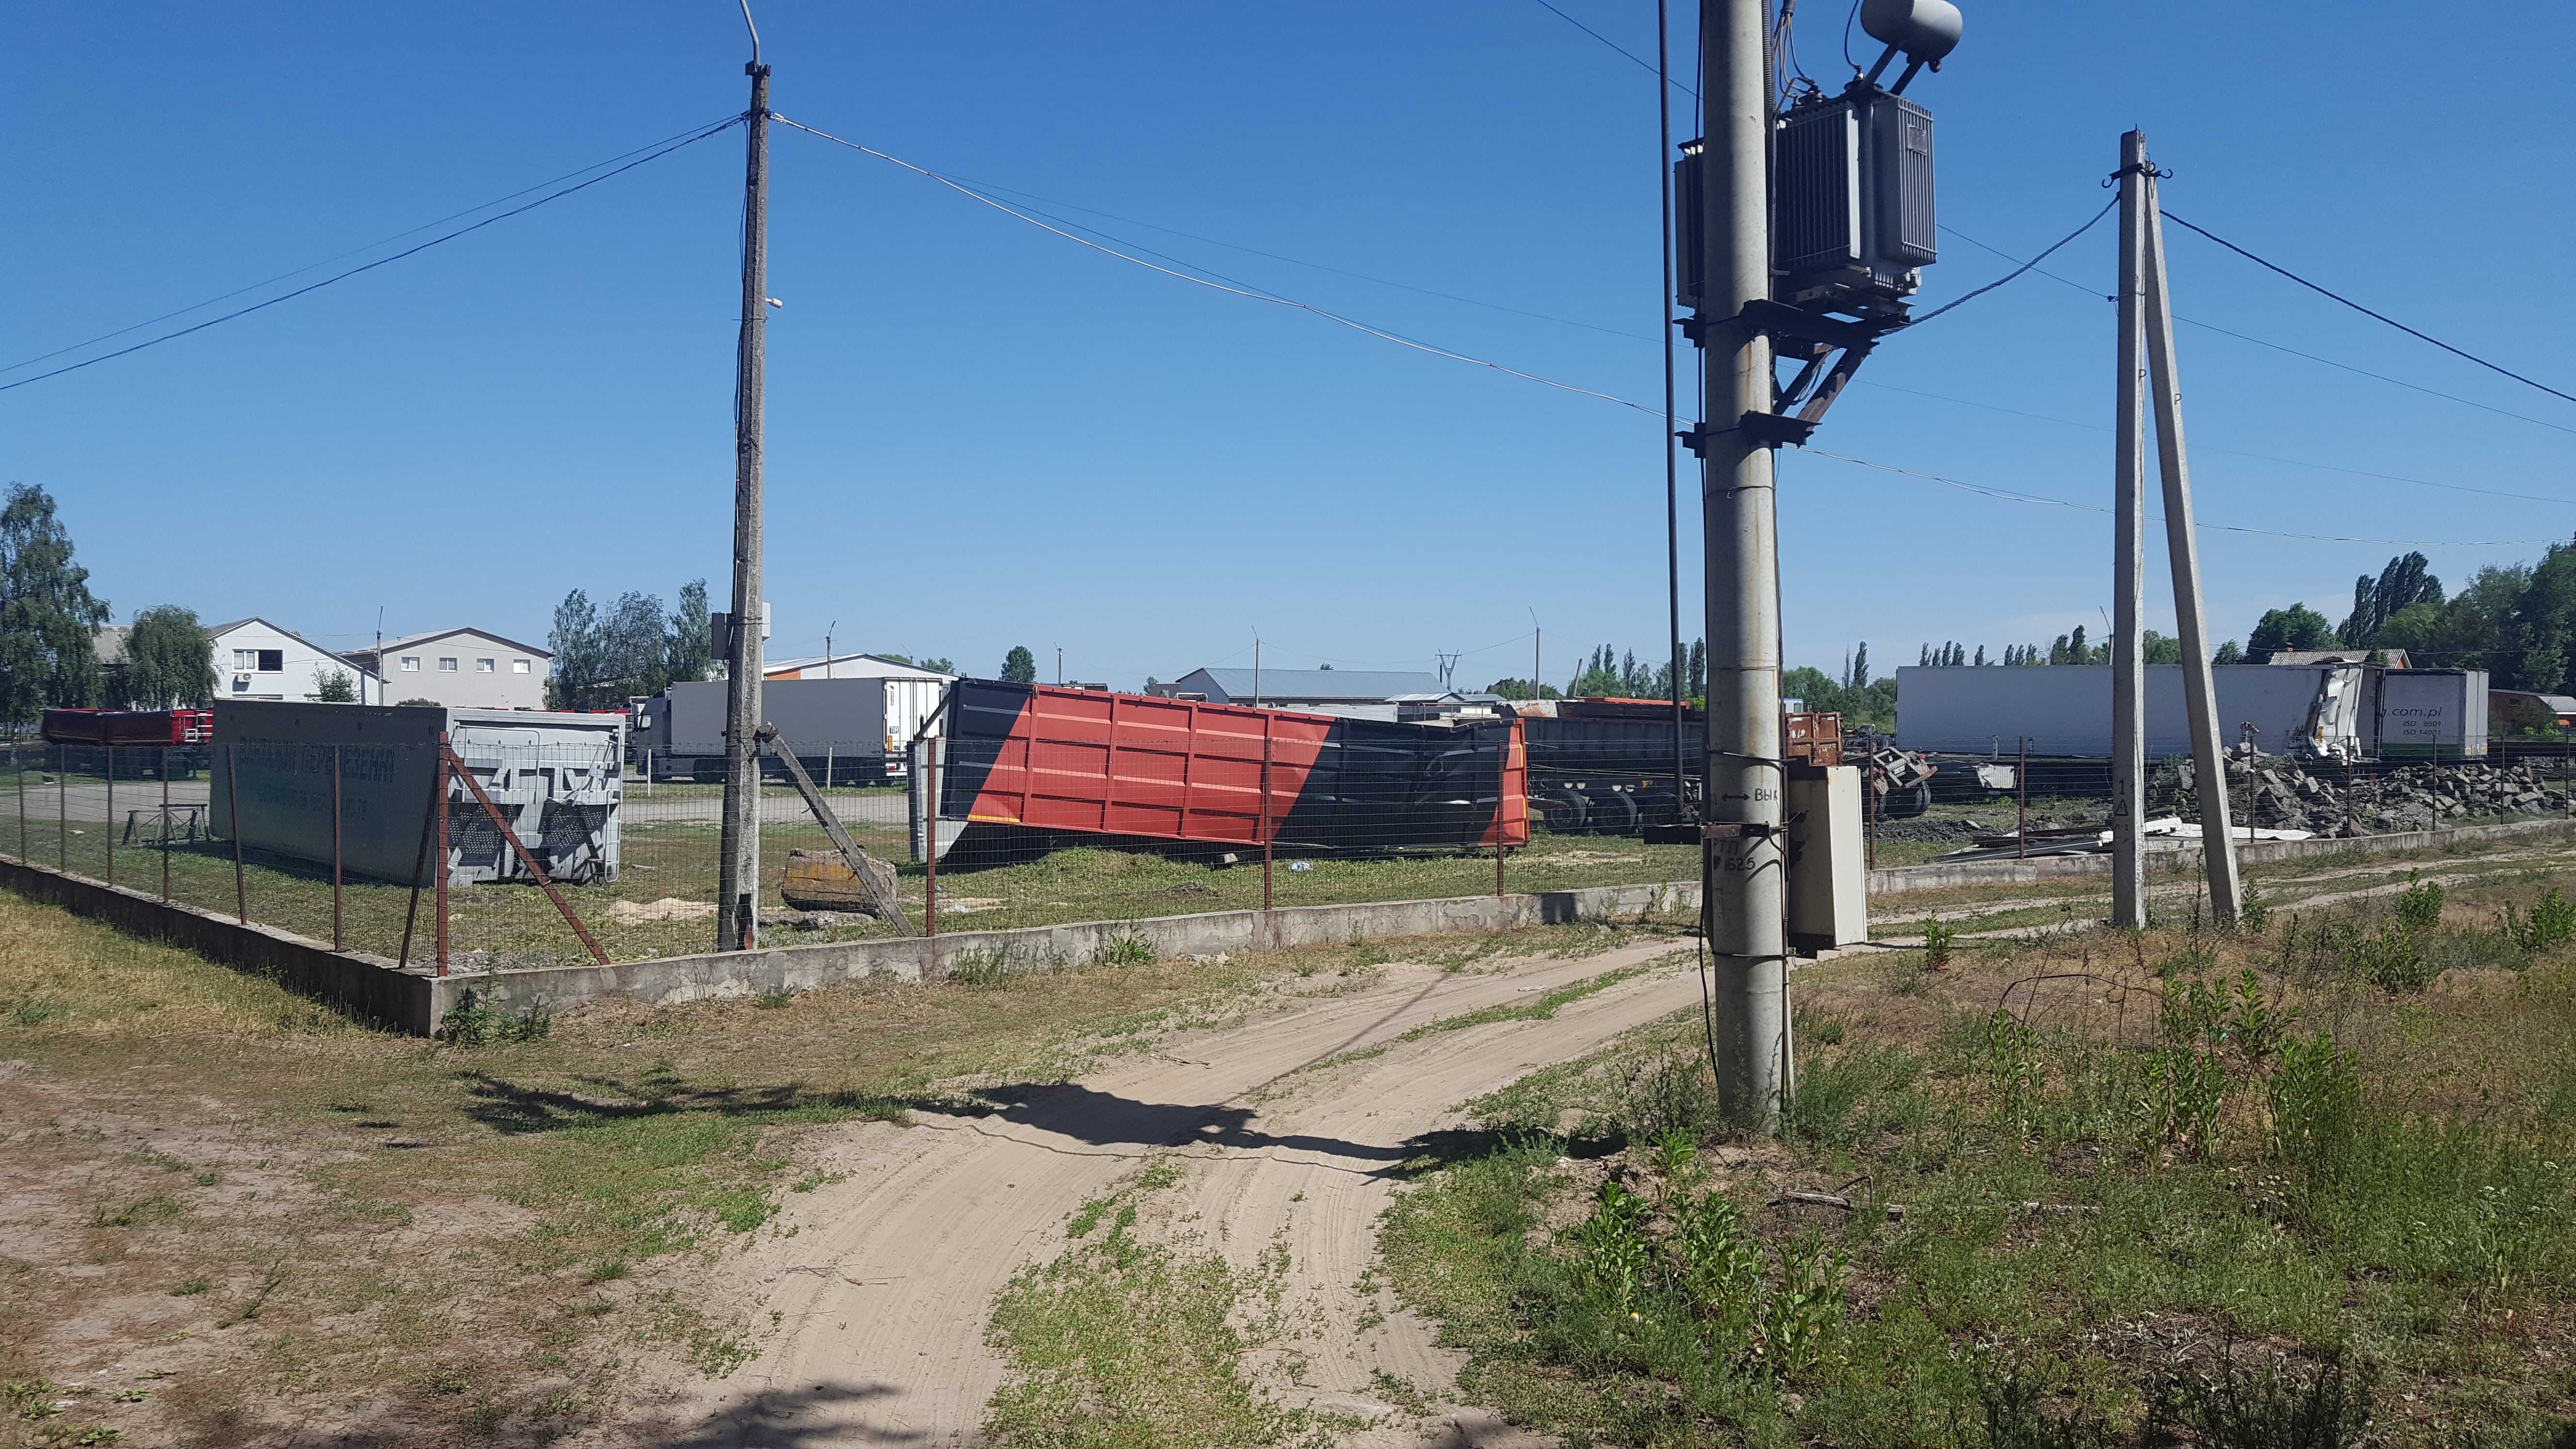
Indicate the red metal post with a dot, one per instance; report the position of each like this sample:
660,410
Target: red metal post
930,851
526,859
62,812
438,808
111,815
1267,725
20,761
232,806
1502,782
165,826
335,850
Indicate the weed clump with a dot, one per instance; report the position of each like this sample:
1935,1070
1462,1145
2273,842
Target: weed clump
476,1022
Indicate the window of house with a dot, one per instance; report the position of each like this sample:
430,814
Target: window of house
272,661
482,666
245,659
411,664
446,664
518,666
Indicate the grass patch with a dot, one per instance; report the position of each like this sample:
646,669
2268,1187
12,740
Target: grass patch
2281,1192
1123,1340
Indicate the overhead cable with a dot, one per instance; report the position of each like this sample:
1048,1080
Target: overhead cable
351,252
2010,496
2204,447
689,140
2088,225
2275,346
1646,65
2365,311
1252,293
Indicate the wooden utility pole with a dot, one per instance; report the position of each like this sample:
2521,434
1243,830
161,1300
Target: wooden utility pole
738,890
2200,700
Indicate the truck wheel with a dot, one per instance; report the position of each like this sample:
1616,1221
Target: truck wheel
1563,811
1615,814
1906,804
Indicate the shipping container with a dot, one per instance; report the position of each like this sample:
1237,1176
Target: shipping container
556,777
2313,710
129,728
845,731
2432,714
1033,764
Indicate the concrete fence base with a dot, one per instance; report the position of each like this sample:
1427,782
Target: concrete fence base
375,989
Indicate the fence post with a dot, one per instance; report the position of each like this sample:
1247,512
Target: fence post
1502,780
2021,802
335,849
1267,927
20,760
165,825
110,831
930,858
438,808
62,810
232,807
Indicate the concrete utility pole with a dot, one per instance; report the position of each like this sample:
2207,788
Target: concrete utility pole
2128,671
1742,861
738,904
2200,700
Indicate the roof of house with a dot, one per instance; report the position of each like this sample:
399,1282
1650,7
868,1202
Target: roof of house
217,631
409,640
817,661
1355,684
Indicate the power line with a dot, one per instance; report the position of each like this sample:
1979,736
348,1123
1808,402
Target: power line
2204,447
2009,496
371,266
1642,63
1252,293
2275,346
2365,311
2017,271
351,252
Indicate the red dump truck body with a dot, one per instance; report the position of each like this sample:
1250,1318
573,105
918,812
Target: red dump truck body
1045,758
139,728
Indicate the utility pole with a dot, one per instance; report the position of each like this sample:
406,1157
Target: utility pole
2128,663
1672,445
1742,861
738,899
1256,671
1059,666
2217,846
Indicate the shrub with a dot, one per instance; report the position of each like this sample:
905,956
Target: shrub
2316,1108
2393,959
1938,936
2552,921
1672,1094
475,1022
2419,906
1124,947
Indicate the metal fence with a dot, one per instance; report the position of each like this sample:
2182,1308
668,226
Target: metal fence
529,860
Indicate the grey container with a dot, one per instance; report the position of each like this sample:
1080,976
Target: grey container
826,721
556,777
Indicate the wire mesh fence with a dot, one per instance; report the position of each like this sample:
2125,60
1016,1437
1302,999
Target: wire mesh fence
499,854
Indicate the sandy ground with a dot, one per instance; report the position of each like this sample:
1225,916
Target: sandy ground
882,1293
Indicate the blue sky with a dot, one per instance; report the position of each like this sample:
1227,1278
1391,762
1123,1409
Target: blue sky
982,435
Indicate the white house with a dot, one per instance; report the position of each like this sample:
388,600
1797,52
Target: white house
255,659
847,666
461,668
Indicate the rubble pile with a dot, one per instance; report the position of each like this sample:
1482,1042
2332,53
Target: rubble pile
2274,792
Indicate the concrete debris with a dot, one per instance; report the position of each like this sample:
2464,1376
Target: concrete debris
2271,791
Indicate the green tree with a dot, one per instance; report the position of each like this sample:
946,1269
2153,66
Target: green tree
336,687
634,650
1520,689
1019,666
2160,650
2407,581
2296,627
169,661
48,617
2228,653
575,641
689,651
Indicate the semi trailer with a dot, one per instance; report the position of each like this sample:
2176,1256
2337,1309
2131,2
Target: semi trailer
844,731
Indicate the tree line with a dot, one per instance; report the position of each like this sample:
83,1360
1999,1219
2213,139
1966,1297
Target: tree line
603,657
1611,673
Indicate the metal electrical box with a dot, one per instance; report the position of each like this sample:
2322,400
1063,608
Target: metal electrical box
1828,873
1853,219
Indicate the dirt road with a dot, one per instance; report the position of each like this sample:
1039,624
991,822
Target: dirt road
883,1291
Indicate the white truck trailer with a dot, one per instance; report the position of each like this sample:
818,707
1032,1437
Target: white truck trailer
2344,712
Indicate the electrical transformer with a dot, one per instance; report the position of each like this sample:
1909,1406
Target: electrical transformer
1853,218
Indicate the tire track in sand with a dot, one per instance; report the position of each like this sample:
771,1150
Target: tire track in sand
881,1296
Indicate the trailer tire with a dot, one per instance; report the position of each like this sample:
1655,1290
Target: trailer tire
1564,810
1906,804
1615,813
